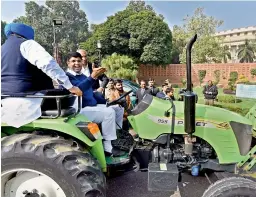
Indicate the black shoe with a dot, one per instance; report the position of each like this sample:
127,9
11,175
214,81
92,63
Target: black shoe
115,153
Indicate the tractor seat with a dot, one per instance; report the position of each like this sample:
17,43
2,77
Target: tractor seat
64,112
49,106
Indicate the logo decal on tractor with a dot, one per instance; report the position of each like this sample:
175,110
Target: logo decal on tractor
199,122
159,120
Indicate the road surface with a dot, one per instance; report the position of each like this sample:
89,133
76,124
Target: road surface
135,185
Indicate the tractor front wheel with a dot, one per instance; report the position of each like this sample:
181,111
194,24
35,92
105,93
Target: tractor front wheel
45,166
232,187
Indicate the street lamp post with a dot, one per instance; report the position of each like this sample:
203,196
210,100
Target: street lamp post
56,22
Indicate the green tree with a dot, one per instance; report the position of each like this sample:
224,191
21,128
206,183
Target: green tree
179,41
74,27
207,49
120,66
233,76
253,72
226,55
137,32
3,37
246,52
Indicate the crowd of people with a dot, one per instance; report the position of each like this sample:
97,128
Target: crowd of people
25,64
166,93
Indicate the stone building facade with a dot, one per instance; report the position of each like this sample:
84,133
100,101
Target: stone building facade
236,37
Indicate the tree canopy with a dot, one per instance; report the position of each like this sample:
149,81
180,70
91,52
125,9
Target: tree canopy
74,27
246,52
207,49
137,32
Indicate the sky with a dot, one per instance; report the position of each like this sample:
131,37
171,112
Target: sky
235,14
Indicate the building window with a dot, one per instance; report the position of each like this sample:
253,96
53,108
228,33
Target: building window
231,35
245,33
238,34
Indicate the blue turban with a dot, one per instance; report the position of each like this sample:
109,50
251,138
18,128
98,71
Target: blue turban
20,29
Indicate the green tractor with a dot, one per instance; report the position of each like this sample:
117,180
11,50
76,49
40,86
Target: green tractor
61,154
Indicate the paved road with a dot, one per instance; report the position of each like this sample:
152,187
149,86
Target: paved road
135,185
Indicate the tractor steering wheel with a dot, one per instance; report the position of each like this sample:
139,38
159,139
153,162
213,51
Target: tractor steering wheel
119,100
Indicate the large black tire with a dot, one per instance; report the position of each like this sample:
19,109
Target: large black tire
73,169
232,187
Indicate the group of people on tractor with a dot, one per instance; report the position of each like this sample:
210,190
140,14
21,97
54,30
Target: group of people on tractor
28,69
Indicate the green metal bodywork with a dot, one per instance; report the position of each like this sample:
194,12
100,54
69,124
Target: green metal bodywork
69,127
212,125
251,115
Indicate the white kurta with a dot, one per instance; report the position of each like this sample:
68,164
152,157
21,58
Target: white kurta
20,111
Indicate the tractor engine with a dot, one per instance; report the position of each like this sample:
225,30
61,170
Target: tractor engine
201,152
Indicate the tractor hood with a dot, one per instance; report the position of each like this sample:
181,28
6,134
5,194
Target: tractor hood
229,134
149,121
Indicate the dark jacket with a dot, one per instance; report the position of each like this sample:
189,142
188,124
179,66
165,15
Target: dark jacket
90,98
96,83
17,74
154,90
140,96
210,92
161,95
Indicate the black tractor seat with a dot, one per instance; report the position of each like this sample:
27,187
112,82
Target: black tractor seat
62,98
54,112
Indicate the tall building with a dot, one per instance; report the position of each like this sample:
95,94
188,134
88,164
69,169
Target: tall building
236,37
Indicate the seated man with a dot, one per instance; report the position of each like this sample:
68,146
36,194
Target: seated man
95,112
162,94
119,91
110,88
115,94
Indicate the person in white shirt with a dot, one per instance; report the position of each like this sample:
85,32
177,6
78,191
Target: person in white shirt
101,83
26,69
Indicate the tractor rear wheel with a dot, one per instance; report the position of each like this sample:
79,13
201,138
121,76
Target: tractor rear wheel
232,187
45,166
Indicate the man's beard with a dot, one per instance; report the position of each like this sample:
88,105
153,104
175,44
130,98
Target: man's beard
120,91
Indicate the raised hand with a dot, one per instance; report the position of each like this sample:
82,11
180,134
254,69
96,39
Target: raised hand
96,72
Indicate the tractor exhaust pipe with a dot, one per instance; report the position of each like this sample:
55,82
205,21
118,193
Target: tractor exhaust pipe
189,96
188,62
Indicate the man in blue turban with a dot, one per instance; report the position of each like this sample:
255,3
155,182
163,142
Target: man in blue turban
27,68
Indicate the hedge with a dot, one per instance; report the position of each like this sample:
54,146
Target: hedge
228,99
